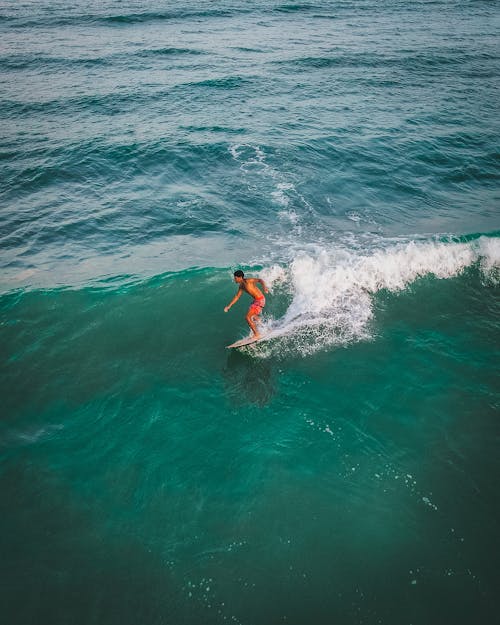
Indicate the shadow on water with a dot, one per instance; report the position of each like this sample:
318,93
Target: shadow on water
248,380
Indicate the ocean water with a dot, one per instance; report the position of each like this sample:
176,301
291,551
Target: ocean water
344,472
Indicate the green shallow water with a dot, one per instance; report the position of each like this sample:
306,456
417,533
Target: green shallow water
149,475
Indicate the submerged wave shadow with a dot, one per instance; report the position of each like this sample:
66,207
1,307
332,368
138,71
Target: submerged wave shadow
248,380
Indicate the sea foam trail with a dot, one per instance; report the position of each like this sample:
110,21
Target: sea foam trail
332,291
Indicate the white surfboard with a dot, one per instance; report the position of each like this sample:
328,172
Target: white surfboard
248,341
272,332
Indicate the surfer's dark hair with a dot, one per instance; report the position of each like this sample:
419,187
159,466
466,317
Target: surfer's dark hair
239,274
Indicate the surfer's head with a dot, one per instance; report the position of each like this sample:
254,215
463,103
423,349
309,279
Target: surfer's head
239,276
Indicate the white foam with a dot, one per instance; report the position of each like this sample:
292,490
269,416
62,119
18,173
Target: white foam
253,163
331,291
489,253
274,275
279,195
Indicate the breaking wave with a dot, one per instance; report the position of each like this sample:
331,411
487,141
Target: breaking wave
331,292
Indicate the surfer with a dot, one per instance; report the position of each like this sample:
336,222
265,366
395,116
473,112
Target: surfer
259,301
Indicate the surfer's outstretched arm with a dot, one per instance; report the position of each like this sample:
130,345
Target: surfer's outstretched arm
234,300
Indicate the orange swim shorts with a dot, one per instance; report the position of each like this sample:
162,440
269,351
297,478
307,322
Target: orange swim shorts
257,305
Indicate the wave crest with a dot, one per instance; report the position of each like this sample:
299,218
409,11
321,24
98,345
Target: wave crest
331,292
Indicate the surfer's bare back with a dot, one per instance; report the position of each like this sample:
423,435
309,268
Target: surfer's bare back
249,285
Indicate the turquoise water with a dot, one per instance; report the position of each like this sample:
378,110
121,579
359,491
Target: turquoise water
344,471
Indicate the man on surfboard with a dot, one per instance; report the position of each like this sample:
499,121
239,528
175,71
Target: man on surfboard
259,301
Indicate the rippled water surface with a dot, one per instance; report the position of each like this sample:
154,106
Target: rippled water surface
343,471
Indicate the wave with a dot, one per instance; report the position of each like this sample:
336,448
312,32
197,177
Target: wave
174,14
96,159
153,52
295,8
80,170
428,61
25,17
29,61
332,291
91,104
225,82
113,102
216,129
19,20
20,61
319,300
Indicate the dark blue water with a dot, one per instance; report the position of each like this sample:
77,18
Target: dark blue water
344,471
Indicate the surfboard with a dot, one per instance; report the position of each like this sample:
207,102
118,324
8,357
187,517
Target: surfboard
248,341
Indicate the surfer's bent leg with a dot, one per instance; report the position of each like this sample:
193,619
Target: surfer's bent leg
253,314
251,318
